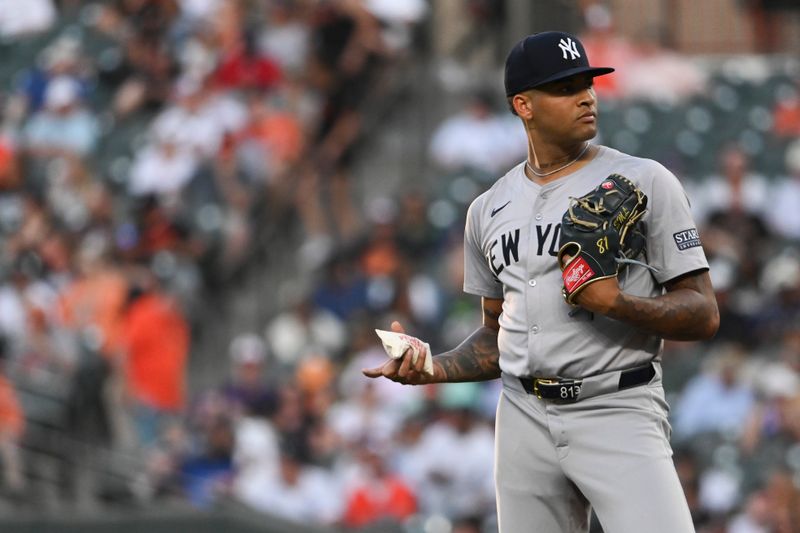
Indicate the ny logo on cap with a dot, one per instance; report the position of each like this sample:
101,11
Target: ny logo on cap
568,46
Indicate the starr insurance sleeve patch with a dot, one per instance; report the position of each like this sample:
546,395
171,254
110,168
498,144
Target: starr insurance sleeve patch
688,238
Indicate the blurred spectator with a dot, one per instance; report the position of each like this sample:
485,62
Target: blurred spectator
44,351
256,454
299,492
304,329
716,400
78,201
314,376
398,19
780,285
392,256
737,299
154,229
479,139
228,25
325,448
12,427
383,267
17,301
755,517
783,215
199,118
606,46
416,235
292,421
788,360
346,57
773,430
243,67
343,290
786,113
63,58
784,498
409,452
90,309
774,508
196,56
730,209
468,36
38,16
377,495
285,36
248,401
63,128
94,300
345,63
720,488
362,416
421,299
155,341
272,141
208,474
737,191
457,489
160,475
658,73
144,75
162,168
248,391
379,253
198,12
10,175
147,18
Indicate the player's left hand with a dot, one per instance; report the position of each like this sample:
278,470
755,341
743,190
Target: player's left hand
599,297
600,231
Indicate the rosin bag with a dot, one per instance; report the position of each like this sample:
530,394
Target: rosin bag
396,344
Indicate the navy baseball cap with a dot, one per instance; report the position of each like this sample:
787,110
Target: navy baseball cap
544,57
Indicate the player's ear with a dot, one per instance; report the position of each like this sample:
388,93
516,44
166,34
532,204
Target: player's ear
522,104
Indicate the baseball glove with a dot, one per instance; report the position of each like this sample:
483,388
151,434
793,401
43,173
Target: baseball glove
600,231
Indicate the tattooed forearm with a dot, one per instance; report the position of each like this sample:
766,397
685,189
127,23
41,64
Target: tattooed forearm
688,311
491,314
475,359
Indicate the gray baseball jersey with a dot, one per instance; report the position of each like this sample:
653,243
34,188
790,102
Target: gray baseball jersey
510,246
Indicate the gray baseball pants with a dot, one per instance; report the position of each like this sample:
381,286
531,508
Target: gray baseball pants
554,462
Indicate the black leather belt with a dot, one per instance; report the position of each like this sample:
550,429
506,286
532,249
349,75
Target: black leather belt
569,390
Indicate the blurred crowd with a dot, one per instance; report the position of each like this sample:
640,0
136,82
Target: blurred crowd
151,148
149,151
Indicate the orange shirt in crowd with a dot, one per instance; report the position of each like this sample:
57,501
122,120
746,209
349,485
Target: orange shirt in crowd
12,421
155,339
96,300
9,175
609,51
369,504
786,118
280,133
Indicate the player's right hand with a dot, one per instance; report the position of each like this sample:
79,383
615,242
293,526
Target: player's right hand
405,370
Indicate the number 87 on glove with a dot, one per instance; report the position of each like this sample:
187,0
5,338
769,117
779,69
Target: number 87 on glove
600,232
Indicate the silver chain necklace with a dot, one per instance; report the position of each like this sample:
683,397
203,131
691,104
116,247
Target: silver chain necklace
543,174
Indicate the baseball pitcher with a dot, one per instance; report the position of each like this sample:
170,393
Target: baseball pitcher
585,259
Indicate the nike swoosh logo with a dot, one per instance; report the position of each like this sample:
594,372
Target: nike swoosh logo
498,209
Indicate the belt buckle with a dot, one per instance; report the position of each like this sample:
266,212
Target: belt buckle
543,381
569,389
